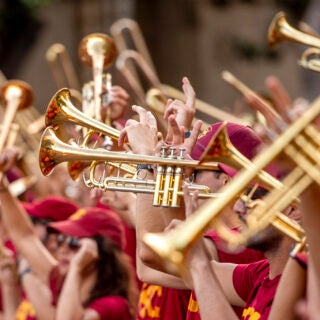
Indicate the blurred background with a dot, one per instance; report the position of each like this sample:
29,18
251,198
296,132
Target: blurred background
194,38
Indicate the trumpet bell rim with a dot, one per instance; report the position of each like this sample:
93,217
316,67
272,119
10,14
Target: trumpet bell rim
97,43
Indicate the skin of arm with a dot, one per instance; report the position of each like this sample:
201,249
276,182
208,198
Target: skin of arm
292,287
311,223
19,226
70,301
10,288
38,293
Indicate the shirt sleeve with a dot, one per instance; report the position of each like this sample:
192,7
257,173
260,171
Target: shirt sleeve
245,276
111,308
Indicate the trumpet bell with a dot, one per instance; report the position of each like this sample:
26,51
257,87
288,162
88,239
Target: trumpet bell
19,91
61,110
97,44
280,30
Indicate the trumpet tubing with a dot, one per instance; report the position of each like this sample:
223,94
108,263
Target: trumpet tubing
172,246
310,59
53,152
63,73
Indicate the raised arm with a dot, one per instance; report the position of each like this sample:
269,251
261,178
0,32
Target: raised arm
19,226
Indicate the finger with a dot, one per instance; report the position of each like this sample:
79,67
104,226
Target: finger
260,105
151,120
177,135
141,112
191,141
123,137
280,96
189,93
131,122
167,111
116,90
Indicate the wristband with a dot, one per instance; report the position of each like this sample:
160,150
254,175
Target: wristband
24,272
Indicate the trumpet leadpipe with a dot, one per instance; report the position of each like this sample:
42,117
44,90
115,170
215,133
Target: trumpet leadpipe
53,151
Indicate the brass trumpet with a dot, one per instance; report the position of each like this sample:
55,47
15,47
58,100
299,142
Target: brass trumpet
167,189
97,51
280,30
300,145
61,110
310,59
132,27
65,75
14,95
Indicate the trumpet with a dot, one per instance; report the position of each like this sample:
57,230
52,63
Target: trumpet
310,59
280,30
117,31
97,51
65,74
301,145
61,110
169,171
14,95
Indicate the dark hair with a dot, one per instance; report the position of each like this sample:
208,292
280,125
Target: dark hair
115,274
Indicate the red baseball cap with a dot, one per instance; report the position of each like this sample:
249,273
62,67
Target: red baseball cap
243,138
55,208
92,221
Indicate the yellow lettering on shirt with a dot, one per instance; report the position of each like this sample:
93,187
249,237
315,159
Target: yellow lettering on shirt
148,293
25,310
193,305
250,314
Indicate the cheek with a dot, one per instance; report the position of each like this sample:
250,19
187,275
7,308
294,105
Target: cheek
116,112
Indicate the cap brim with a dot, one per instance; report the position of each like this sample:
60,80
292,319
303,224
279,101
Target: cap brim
227,170
70,228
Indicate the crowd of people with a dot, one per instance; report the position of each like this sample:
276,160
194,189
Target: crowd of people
88,258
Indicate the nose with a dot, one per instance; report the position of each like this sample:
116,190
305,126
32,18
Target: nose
239,207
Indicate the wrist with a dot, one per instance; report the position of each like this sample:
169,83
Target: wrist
24,272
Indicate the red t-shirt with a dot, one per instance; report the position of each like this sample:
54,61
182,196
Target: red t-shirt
158,302
252,283
112,308
246,256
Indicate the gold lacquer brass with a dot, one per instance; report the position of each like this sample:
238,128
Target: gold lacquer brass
300,145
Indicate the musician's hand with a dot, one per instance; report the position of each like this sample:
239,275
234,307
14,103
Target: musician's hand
182,111
117,103
142,135
8,158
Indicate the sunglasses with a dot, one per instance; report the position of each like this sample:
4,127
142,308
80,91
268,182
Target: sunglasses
72,242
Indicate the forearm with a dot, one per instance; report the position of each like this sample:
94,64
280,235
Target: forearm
14,217
290,290
11,297
69,306
209,293
39,296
